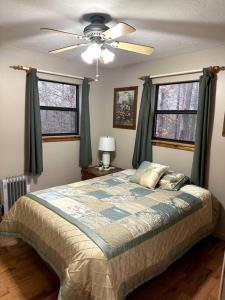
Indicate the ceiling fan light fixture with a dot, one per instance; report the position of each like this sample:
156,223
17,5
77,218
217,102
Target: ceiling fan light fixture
107,56
87,57
99,37
94,50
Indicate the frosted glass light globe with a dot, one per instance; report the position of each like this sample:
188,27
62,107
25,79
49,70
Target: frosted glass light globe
87,57
94,50
107,56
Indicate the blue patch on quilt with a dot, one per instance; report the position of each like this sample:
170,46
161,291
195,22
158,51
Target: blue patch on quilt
113,182
188,198
114,213
166,212
140,192
99,194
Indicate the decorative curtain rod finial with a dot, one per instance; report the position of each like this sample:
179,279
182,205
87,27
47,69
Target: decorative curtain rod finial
143,77
216,69
17,67
20,67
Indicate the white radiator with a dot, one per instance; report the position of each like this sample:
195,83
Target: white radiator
11,189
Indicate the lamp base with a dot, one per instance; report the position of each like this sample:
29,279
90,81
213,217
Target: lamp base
106,159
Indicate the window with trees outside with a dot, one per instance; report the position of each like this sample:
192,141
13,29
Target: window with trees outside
59,104
176,112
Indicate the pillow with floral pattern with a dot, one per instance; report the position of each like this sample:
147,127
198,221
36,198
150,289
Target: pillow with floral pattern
172,181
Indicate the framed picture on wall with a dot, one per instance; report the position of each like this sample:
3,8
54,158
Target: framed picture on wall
125,107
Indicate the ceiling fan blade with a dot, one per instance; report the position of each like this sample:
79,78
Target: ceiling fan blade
77,36
59,50
147,50
118,30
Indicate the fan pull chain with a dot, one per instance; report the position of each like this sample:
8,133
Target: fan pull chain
97,73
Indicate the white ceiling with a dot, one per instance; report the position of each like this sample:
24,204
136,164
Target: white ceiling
171,26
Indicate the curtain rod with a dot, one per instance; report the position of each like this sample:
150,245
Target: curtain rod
214,69
24,68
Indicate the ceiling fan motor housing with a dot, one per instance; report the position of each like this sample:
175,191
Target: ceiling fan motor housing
96,28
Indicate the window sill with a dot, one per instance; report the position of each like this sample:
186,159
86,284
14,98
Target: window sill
174,145
60,138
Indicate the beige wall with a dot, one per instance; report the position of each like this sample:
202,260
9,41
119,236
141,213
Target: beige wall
179,160
61,159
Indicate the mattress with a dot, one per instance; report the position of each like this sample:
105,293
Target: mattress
84,269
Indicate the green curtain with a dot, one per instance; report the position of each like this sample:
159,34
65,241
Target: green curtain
206,84
34,161
85,136
143,145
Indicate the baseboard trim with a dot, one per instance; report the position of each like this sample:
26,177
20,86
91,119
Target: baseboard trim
220,235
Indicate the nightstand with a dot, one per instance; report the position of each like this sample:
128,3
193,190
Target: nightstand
92,172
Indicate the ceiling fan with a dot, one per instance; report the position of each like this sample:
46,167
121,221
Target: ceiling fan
99,37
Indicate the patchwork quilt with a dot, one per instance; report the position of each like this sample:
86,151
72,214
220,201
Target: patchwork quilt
115,213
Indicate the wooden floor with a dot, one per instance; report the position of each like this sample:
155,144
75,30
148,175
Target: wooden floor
23,275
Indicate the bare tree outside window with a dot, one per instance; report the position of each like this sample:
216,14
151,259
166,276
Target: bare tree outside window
176,111
59,104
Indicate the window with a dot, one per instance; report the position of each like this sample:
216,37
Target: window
176,112
59,104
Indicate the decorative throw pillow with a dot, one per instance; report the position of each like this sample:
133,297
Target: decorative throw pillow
172,181
148,174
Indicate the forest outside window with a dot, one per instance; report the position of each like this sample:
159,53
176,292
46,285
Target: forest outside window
59,105
175,113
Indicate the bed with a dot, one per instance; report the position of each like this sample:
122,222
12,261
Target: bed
106,236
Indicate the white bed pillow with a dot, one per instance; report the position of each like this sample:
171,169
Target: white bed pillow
148,174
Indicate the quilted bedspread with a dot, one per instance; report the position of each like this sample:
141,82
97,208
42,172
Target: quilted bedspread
141,232
115,213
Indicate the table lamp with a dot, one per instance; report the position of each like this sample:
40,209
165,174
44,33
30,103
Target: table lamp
107,145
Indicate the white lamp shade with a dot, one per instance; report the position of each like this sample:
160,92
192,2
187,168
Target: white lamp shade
106,143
